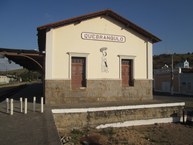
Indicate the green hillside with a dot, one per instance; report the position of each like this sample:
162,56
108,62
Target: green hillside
25,74
14,72
162,59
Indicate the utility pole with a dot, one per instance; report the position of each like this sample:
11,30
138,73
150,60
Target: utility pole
172,76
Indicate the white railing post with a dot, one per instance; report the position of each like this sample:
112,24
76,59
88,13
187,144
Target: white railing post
25,107
21,104
11,107
42,104
7,104
34,103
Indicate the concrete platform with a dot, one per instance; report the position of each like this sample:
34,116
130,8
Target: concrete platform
117,116
33,128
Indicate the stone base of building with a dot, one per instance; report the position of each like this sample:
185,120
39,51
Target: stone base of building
59,92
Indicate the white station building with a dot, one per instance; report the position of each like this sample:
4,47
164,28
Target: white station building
96,57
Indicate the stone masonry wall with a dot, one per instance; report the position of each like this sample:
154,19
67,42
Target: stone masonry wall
67,121
59,92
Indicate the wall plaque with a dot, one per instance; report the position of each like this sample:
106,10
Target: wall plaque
103,37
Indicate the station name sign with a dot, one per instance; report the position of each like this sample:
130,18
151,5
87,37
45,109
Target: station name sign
103,37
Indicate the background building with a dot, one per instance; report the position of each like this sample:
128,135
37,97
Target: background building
4,79
182,81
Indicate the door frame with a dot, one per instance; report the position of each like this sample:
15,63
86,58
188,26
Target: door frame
77,54
81,82
131,57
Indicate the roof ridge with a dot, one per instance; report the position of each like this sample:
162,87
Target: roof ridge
107,12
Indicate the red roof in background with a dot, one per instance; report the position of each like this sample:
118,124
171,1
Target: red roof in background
108,13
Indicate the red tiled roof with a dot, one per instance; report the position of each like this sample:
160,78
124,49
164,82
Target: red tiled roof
107,12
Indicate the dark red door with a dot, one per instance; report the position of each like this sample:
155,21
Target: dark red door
78,78
126,72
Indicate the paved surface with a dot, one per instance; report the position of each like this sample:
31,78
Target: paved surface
33,128
176,98
156,100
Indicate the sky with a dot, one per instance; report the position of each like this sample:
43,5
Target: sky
6,65
170,20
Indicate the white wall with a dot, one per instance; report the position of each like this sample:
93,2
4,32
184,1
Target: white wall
49,55
4,80
66,39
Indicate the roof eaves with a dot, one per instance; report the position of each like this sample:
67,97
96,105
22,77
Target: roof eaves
107,12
